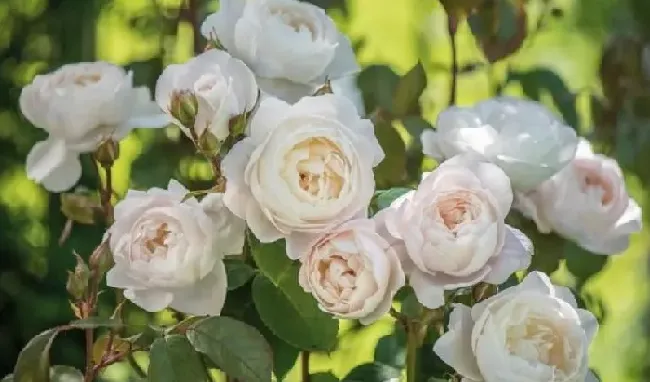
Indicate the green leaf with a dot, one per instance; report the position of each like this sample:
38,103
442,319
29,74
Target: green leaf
238,349
96,322
62,373
323,377
582,263
238,273
372,372
308,329
392,170
378,84
173,359
278,296
391,349
500,27
386,197
33,364
406,99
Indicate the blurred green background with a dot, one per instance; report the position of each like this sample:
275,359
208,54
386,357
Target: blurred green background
580,57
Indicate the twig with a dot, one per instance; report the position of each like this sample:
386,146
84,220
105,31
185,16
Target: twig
452,26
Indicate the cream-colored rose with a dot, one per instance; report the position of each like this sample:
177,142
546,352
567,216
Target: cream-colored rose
222,85
169,252
352,272
79,105
291,46
586,202
532,332
451,230
302,170
522,137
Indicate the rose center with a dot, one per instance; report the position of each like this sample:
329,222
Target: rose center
338,274
594,181
295,20
321,168
86,79
153,240
456,208
538,340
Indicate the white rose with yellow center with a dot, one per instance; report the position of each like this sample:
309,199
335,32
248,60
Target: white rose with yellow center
302,169
532,332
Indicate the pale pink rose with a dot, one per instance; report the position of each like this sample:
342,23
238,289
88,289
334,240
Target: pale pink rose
352,272
169,250
586,202
451,230
532,332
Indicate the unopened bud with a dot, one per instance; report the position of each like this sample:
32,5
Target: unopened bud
101,259
325,89
184,107
208,143
78,280
80,207
107,152
237,125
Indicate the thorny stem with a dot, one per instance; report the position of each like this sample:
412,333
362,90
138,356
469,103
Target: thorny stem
452,26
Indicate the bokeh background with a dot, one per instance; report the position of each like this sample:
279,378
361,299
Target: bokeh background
583,58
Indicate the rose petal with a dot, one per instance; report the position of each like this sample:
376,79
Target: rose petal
454,347
515,255
206,297
50,163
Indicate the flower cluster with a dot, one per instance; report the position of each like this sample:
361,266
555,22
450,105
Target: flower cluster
299,167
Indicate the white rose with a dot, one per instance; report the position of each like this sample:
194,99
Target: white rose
290,45
523,138
169,252
352,272
532,332
303,169
586,202
79,105
224,88
452,230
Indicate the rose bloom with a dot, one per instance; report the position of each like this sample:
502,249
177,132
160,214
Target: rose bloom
450,232
522,137
79,105
169,252
352,272
302,170
223,86
532,332
291,46
586,202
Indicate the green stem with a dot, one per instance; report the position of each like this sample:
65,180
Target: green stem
412,344
306,377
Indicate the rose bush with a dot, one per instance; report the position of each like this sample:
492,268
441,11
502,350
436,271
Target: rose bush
291,46
523,138
586,202
79,105
168,251
317,155
533,332
352,272
451,231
